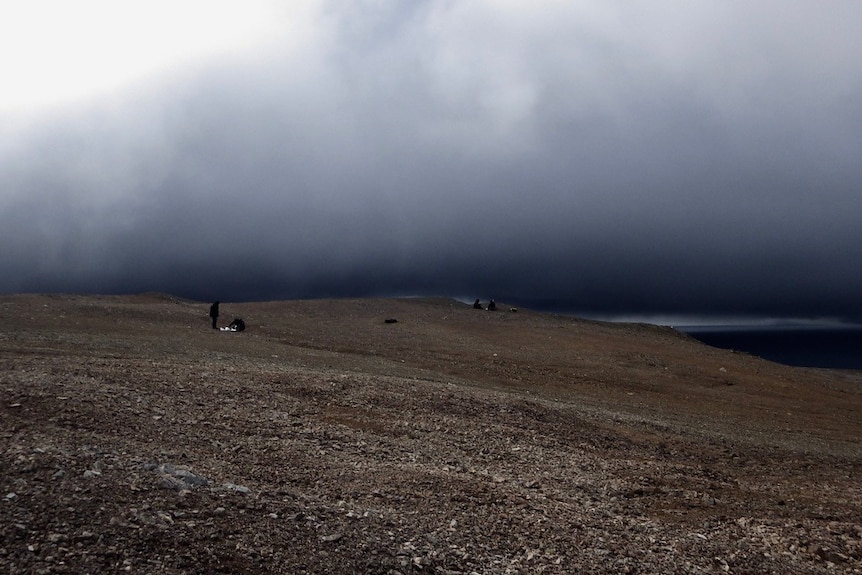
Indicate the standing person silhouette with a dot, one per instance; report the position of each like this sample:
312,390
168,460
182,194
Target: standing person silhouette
214,314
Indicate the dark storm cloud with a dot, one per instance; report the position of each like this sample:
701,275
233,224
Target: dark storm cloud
697,160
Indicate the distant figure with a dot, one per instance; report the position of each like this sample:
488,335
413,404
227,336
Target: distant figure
214,314
491,305
477,305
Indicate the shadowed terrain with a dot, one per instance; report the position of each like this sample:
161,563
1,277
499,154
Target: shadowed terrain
323,439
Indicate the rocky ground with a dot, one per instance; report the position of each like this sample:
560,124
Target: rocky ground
134,438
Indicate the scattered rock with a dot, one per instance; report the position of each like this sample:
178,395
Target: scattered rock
332,538
169,482
238,488
176,478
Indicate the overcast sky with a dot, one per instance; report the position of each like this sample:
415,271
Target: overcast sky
614,157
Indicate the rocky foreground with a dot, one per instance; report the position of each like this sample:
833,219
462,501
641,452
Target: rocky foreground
134,438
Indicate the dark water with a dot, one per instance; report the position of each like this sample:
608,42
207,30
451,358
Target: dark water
837,348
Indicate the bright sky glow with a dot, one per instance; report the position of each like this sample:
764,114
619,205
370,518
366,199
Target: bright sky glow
56,52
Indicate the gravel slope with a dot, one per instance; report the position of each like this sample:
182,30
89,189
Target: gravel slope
134,438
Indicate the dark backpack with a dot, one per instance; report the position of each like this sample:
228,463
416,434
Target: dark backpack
237,325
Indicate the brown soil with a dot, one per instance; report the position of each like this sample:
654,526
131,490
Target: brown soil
134,438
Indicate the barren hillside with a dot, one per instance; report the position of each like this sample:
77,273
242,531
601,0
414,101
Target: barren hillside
322,439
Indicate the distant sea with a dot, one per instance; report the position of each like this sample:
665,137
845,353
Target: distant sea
798,343
827,347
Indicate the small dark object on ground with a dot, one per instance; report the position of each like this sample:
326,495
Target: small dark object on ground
390,320
237,325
